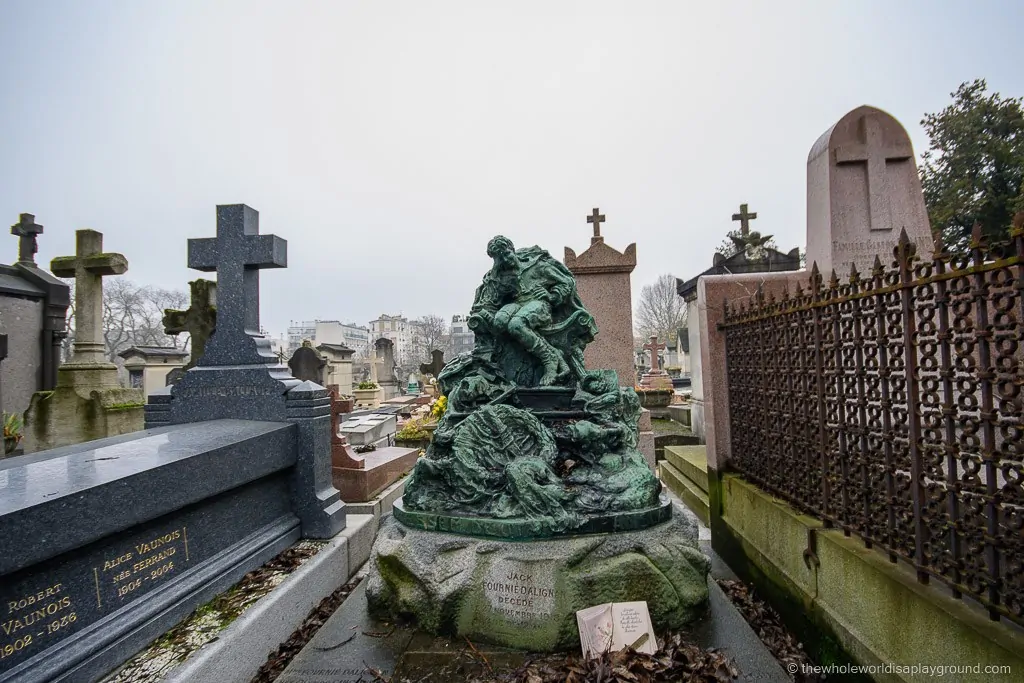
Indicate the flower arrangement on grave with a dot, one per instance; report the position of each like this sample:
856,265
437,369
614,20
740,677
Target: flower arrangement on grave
412,431
363,386
12,432
439,407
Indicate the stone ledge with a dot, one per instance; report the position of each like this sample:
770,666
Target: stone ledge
692,462
688,492
240,649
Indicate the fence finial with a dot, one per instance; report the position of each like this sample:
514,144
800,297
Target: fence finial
905,249
854,275
833,282
977,237
877,269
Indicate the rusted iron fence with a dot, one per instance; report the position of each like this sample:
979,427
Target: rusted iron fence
890,406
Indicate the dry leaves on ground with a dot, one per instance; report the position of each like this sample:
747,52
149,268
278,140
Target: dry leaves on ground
676,661
769,628
280,658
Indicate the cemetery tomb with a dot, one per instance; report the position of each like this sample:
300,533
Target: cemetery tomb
535,461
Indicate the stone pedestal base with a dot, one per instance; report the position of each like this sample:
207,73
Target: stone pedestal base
86,405
381,468
525,594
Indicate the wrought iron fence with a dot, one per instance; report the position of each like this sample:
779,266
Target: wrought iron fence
890,406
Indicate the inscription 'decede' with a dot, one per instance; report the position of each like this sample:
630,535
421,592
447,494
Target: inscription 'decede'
520,594
36,619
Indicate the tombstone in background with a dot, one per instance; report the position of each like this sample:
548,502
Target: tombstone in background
150,366
239,377
308,365
199,319
33,313
88,402
361,476
370,398
384,349
436,364
603,282
339,366
862,190
751,257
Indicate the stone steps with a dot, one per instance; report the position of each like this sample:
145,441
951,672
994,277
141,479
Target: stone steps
685,472
691,461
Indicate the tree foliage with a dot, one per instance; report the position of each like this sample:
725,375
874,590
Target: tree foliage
660,311
428,333
973,170
132,316
729,246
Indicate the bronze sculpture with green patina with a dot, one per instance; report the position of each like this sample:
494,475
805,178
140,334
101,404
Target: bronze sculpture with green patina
532,444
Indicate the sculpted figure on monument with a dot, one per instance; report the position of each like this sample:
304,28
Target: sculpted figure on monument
530,437
529,299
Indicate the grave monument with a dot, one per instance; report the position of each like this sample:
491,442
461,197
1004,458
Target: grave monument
387,380
532,500
88,402
862,190
33,315
308,365
199,320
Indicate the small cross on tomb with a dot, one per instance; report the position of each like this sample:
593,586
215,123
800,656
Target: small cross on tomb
88,266
744,217
238,253
876,156
26,229
596,218
653,346
199,320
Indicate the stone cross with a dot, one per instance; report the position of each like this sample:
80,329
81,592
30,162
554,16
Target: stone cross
597,219
435,365
237,253
199,320
88,266
26,228
653,346
873,152
744,217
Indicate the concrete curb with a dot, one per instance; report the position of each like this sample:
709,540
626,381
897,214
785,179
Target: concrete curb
242,648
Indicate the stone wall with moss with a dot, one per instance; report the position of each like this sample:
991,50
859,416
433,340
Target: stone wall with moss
67,416
847,602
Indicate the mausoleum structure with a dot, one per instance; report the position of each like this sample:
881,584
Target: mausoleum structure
532,500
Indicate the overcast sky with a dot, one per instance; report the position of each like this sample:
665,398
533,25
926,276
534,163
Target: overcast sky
388,141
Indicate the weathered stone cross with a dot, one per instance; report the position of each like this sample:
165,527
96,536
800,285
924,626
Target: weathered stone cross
237,253
744,217
26,228
200,320
654,347
876,155
597,219
88,266
435,365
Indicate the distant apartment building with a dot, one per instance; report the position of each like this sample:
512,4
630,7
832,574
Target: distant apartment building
355,337
399,330
461,336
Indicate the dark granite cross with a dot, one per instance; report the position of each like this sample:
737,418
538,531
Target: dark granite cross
876,155
26,228
199,320
654,347
744,217
237,253
597,219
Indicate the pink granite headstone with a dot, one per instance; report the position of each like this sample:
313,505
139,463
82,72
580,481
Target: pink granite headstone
603,282
862,189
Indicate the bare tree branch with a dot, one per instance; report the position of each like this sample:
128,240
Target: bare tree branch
660,311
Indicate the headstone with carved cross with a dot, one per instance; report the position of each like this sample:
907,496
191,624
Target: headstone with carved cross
199,319
749,241
436,364
862,190
88,402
